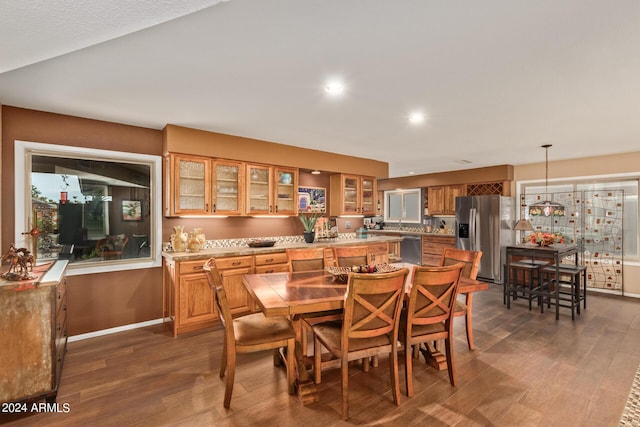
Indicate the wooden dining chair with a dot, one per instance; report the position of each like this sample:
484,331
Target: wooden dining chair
428,314
471,261
306,259
309,259
348,256
248,334
370,327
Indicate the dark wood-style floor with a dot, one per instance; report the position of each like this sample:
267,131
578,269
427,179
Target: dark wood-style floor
528,370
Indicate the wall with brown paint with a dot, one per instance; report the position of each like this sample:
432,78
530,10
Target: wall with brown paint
102,301
95,301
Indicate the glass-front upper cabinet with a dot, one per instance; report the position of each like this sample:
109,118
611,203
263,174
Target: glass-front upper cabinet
191,193
228,180
286,191
259,190
272,190
353,195
368,195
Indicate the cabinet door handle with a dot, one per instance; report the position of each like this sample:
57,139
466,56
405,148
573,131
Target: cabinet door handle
198,267
236,263
268,260
214,207
276,208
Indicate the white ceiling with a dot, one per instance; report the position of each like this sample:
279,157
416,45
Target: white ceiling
497,78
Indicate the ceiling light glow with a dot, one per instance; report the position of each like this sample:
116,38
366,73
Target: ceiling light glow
334,88
416,117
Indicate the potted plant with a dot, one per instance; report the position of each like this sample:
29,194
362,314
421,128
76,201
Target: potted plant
309,223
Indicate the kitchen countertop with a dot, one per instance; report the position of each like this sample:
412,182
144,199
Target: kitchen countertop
279,247
409,233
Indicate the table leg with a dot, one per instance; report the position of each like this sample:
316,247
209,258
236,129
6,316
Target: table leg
307,390
434,357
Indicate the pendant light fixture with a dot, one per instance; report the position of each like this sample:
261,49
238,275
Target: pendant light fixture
546,207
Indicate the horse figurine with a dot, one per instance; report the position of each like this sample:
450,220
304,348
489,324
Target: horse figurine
20,262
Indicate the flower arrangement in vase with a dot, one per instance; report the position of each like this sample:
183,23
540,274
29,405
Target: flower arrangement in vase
545,239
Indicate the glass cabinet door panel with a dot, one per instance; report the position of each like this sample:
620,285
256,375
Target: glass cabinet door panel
192,184
368,196
259,189
286,195
351,195
227,188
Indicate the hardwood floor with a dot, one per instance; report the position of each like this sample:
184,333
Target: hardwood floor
527,370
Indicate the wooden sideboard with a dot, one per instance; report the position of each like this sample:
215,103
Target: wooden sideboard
33,328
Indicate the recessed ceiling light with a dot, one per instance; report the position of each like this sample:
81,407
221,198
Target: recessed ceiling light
464,162
416,117
334,88
412,173
316,172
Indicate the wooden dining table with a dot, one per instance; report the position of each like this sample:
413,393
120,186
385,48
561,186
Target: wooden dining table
299,293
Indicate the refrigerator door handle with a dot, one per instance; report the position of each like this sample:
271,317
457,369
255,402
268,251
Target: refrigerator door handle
472,229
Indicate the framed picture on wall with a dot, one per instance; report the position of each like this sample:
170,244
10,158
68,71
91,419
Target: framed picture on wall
132,210
312,199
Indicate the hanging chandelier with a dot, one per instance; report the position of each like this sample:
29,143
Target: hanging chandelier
546,207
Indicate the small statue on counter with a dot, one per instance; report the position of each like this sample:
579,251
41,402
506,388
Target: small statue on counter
20,264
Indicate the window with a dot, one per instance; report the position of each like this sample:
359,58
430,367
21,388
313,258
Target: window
403,206
98,209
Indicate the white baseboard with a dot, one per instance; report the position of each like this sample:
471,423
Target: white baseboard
114,330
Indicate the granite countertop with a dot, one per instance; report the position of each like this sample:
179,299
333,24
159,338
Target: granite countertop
279,247
412,232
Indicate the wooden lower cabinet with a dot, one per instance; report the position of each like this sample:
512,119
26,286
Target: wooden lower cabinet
188,299
231,270
271,263
433,246
33,327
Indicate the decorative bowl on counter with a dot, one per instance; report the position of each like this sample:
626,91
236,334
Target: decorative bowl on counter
341,274
261,243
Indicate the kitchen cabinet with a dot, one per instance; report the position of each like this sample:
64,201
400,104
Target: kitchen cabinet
433,246
188,299
231,270
442,198
198,185
33,327
188,185
378,253
352,195
196,308
271,190
271,263
228,187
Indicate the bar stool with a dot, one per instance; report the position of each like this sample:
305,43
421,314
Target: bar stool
572,276
530,271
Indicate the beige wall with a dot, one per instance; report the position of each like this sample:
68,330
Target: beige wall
627,163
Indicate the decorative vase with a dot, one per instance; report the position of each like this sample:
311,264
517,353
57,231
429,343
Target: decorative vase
309,236
178,238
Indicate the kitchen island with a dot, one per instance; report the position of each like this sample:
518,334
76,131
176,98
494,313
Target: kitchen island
188,301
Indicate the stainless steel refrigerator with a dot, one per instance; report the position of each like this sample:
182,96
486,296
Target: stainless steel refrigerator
485,223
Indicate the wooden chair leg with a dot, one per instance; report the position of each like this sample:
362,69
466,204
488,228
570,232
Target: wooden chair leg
317,361
223,359
231,373
374,361
303,337
448,343
469,320
395,383
408,368
345,388
291,365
